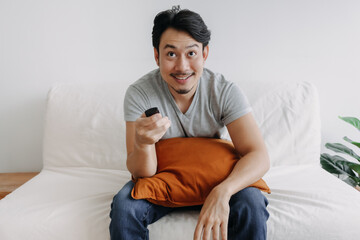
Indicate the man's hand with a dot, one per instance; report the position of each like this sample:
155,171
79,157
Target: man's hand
148,130
141,137
214,215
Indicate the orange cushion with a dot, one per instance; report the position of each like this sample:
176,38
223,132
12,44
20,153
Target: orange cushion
188,169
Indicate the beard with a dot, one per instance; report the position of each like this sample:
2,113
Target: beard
183,91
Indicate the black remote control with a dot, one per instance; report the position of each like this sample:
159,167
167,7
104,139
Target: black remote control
151,111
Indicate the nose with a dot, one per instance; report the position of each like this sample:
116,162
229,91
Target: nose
182,64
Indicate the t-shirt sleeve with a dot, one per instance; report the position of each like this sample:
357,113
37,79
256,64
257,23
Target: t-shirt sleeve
135,103
235,103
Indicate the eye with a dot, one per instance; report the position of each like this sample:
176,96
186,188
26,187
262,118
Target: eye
171,54
192,54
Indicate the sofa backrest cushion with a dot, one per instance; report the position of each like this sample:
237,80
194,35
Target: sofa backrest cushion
84,124
289,118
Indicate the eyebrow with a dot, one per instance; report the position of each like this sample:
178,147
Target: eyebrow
173,47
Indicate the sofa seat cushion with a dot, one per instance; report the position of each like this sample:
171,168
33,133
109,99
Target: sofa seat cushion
74,204
62,203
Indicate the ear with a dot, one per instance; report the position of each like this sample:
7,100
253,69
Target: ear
206,52
156,56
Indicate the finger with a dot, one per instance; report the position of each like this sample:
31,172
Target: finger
224,230
146,122
155,117
151,119
198,230
160,126
158,132
207,233
152,133
215,231
161,121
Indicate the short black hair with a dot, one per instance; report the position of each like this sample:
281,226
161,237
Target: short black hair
182,20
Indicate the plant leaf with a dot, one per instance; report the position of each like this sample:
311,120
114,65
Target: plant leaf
339,166
340,148
338,163
352,120
352,142
355,167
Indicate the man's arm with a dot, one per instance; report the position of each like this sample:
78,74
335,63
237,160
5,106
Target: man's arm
141,137
254,163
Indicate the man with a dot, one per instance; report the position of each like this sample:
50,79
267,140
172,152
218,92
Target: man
199,103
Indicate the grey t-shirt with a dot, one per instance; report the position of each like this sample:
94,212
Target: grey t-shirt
216,103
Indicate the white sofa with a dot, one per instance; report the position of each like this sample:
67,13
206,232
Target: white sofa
84,167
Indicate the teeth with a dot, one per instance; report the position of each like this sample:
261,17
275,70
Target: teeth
183,78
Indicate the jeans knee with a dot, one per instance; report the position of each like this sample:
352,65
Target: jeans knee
121,204
125,214
248,215
249,205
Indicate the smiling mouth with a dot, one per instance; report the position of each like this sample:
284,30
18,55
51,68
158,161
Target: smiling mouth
182,76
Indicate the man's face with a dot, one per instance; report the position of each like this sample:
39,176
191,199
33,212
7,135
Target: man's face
181,60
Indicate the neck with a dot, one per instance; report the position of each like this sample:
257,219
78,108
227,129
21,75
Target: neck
183,101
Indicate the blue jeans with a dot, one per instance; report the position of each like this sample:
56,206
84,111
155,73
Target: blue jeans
130,217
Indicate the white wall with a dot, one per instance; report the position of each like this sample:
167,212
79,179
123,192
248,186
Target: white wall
43,42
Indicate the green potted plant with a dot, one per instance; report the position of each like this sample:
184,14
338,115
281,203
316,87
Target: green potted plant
348,171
